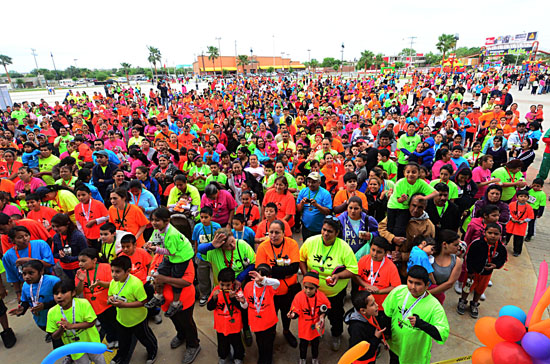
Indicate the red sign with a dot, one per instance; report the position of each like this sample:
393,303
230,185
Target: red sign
490,41
420,54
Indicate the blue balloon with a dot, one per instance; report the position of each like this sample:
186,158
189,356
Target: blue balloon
74,348
537,345
513,311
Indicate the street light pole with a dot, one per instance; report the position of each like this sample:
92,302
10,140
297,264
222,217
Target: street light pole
55,69
33,52
309,60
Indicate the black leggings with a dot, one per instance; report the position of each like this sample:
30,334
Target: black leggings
314,348
265,340
397,222
283,303
226,342
336,313
518,242
107,319
143,333
185,327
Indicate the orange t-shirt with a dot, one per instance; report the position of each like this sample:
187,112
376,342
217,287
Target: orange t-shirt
130,220
332,173
266,316
286,204
99,297
140,261
44,216
343,195
8,186
85,153
263,229
287,253
90,211
387,276
37,230
307,309
187,296
227,317
250,214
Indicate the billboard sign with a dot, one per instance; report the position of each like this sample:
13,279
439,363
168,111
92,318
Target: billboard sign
507,39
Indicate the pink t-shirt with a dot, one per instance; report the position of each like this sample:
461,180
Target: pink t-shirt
481,175
222,206
34,184
11,210
437,167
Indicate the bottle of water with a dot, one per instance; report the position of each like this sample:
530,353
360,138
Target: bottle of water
468,285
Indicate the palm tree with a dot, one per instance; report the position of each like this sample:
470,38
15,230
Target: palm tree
154,57
242,60
366,60
5,60
126,67
213,54
445,43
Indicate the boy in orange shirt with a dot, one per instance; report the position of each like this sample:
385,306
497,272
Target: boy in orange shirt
226,302
262,316
309,307
139,257
37,212
341,199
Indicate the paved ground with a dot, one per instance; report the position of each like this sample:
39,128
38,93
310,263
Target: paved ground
513,285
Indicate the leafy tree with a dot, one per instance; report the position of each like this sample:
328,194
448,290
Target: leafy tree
242,60
126,67
101,76
213,54
270,70
154,57
465,51
6,61
432,58
445,42
399,65
331,62
15,74
72,72
512,58
20,83
407,52
378,60
366,61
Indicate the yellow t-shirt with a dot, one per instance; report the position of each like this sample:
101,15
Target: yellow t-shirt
133,291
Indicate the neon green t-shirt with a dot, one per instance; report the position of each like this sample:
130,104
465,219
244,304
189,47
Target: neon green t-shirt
67,201
221,178
83,312
536,199
191,191
506,177
412,345
46,165
403,187
390,167
202,171
242,252
289,178
133,291
63,141
70,183
453,188
324,259
409,143
177,244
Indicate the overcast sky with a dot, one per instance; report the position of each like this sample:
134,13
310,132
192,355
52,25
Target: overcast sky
102,34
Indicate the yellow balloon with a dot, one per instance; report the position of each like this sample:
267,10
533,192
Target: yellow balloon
354,353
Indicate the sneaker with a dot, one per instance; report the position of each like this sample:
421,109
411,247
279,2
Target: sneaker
458,287
152,359
490,284
237,361
157,319
302,361
315,361
190,355
336,341
527,238
483,297
461,307
247,336
155,302
221,361
203,301
110,345
290,339
176,342
116,344
474,310
173,309
516,254
8,337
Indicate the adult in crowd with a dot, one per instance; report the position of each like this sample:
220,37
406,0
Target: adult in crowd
314,203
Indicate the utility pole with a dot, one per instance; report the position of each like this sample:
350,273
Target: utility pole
411,48
220,52
33,52
251,62
342,61
236,60
309,60
274,51
55,69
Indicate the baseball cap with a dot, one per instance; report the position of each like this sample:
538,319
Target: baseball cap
102,152
314,176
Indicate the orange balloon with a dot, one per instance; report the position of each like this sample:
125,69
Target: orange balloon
354,353
483,355
544,302
486,333
543,327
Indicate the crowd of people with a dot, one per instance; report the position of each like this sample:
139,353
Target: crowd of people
264,199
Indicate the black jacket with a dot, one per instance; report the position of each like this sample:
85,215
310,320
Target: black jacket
360,329
107,177
478,254
449,220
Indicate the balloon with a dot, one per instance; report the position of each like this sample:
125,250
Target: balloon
541,306
482,355
536,345
354,353
74,348
541,361
510,328
507,353
543,327
513,311
539,291
486,333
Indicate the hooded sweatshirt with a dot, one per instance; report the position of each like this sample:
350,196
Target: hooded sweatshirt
502,206
360,329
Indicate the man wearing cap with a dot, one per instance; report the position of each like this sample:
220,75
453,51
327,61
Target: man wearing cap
164,133
314,202
102,173
186,137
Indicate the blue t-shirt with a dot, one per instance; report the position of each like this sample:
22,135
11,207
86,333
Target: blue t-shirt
459,162
419,257
31,159
247,235
39,250
215,156
44,295
204,234
311,216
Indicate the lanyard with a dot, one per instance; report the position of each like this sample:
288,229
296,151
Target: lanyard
258,303
87,216
64,243
227,304
124,213
405,314
281,252
136,200
29,246
35,298
110,250
65,317
517,211
312,309
372,277
228,264
124,285
373,322
513,179
237,235
90,283
489,255
443,209
208,236
309,195
326,256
